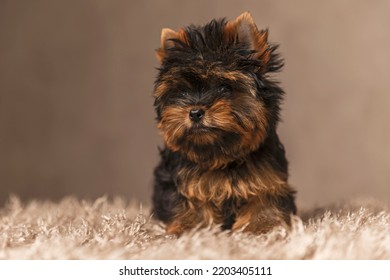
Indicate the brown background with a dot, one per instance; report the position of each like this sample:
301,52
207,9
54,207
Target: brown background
76,80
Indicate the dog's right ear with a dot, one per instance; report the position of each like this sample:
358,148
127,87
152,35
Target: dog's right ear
169,40
167,36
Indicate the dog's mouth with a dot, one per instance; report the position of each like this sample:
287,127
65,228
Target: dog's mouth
198,128
199,135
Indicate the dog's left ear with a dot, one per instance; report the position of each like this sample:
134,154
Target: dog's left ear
244,30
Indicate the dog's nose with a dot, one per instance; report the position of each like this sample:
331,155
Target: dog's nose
196,114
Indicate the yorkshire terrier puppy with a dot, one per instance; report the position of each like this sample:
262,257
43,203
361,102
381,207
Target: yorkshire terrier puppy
218,109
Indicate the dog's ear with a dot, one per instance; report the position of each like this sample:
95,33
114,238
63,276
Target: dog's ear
167,37
170,39
243,30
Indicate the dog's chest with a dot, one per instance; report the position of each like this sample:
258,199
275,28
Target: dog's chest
240,183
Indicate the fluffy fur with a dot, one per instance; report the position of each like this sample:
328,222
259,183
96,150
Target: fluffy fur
228,166
104,229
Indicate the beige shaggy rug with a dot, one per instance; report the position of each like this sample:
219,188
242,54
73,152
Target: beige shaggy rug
103,229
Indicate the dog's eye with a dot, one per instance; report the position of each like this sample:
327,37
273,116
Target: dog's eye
225,89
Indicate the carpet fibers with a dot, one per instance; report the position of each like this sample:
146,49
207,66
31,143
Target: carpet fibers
114,229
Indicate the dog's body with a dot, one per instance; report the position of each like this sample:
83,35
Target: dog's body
218,110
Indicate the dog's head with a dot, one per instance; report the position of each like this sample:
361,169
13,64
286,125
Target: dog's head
214,99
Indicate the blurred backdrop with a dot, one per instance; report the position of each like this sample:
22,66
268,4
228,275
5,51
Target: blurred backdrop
76,80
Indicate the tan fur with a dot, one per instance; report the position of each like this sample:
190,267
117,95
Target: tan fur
215,186
160,90
193,214
173,125
259,216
